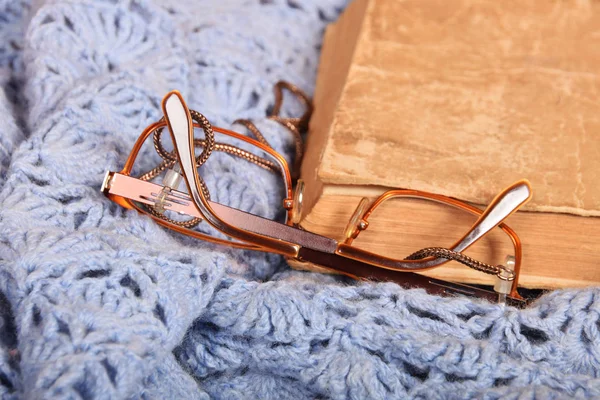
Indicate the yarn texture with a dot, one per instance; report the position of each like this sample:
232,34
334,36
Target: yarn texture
97,302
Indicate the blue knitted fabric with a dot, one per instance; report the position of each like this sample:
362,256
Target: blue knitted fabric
100,302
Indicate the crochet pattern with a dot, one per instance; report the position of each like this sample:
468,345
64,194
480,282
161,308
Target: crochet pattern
100,302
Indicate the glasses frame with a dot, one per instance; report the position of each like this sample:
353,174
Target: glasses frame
130,204
250,240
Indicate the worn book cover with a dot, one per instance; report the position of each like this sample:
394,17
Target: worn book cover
462,98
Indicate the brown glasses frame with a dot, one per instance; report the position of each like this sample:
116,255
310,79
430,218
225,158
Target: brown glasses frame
253,241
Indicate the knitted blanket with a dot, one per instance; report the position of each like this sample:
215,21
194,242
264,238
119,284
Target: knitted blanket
97,302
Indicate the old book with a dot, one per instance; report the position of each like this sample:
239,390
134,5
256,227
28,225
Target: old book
462,98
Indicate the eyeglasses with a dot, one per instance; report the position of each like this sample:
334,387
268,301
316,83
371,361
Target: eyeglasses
302,249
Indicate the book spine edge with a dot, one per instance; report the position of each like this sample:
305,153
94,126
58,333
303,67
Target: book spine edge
339,46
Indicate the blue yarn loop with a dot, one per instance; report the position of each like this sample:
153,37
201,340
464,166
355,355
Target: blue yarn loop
100,302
